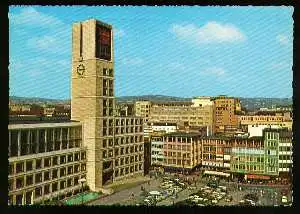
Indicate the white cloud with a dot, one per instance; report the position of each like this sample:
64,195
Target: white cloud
282,39
132,61
118,33
211,32
216,71
29,16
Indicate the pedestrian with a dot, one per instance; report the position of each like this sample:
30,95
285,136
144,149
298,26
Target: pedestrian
148,182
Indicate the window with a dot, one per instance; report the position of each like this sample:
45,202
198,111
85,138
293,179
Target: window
70,157
54,173
47,189
62,184
62,159
38,178
54,187
38,192
20,167
11,169
46,176
47,162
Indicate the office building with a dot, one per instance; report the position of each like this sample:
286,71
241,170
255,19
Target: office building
225,112
46,160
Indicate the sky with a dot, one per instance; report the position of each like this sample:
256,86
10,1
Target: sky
181,51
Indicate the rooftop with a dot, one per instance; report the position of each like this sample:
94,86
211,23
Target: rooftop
183,134
32,119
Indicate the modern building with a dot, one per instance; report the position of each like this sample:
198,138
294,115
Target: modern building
46,160
142,109
263,157
125,109
216,153
157,151
257,130
282,120
182,151
115,148
183,114
225,112
47,157
202,101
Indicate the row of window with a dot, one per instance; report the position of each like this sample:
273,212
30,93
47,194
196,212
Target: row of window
248,167
127,170
177,162
122,151
36,178
122,140
128,160
44,162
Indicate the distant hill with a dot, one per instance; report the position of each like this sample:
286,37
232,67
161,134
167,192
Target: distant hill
256,103
152,98
36,100
248,103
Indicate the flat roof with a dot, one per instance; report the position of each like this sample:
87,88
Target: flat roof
183,134
16,122
43,125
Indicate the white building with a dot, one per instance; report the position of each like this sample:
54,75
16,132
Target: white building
202,101
257,130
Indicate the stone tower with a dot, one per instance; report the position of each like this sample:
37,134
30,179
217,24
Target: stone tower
92,100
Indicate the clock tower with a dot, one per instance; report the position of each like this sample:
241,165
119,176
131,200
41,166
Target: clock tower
92,100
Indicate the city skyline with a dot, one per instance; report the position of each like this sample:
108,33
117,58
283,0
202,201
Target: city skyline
157,53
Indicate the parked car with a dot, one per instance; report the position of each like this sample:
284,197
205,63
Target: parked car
284,199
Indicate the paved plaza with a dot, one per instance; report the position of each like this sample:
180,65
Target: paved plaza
267,196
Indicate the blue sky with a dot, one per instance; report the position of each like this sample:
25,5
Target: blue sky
176,51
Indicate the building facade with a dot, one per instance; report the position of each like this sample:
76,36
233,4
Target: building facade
46,160
182,151
216,153
202,101
225,112
183,113
142,109
114,144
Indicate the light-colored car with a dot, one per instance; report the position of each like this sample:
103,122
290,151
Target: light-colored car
284,199
214,201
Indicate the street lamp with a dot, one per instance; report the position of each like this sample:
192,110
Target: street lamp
82,180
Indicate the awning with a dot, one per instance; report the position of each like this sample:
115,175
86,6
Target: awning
264,177
216,173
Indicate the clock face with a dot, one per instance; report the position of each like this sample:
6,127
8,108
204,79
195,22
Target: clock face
80,69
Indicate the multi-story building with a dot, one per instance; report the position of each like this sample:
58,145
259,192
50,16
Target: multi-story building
181,151
257,130
115,148
225,112
202,101
183,113
160,126
46,160
263,157
49,111
125,109
157,152
216,153
142,109
282,120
